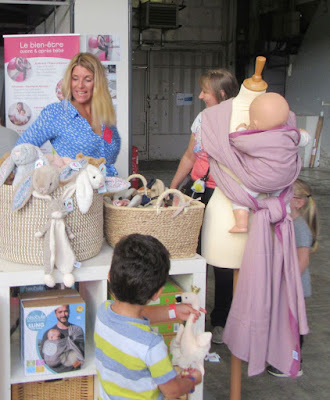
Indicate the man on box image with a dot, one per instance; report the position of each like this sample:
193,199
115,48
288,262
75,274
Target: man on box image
63,345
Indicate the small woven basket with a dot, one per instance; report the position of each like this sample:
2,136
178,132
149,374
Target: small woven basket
179,235
17,241
81,388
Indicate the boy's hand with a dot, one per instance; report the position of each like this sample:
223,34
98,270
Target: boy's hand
196,373
184,310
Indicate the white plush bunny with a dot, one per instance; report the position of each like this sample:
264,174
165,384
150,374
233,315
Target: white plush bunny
24,158
57,248
87,178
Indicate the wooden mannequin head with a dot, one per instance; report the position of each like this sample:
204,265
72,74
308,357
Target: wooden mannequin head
256,83
268,111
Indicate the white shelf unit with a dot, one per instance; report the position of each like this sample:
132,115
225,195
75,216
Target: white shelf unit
92,278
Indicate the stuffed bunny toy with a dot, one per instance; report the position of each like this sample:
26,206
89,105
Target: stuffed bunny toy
22,157
40,182
188,348
11,176
91,160
87,178
57,248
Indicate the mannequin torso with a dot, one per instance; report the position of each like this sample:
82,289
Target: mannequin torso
219,247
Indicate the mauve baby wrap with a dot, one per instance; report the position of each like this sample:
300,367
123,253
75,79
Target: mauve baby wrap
268,308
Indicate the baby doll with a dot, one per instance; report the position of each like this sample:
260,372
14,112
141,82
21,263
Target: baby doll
267,111
61,351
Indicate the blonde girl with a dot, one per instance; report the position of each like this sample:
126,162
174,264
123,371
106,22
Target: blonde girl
306,227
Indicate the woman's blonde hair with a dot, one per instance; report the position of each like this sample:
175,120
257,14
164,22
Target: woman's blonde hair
309,211
102,108
218,80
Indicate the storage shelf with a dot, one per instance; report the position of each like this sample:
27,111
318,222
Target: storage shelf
92,277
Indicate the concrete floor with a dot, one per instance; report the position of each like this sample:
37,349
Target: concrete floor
315,383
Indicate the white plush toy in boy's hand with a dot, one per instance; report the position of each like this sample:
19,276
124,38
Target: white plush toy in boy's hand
188,348
24,158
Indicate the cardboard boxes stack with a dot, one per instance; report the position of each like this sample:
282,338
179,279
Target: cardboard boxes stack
52,331
168,296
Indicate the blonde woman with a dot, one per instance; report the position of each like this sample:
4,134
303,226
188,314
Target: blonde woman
216,85
85,120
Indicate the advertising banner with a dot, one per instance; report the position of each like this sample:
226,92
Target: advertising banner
34,68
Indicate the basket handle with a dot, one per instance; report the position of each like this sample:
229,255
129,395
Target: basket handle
142,179
165,194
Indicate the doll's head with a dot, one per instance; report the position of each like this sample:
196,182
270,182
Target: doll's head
53,334
268,111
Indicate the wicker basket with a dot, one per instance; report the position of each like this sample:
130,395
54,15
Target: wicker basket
179,235
81,388
17,241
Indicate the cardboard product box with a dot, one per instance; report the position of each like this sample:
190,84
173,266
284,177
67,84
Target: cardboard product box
167,327
168,337
169,292
46,294
53,333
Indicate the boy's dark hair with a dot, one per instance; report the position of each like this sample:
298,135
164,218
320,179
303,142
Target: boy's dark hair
139,268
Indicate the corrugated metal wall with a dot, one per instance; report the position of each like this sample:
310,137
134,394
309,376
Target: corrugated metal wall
161,127
169,62
169,123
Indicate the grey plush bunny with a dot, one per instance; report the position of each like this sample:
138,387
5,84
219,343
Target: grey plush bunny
22,157
57,248
40,182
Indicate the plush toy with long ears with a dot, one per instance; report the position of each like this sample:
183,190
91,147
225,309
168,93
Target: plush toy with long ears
189,348
84,178
57,248
23,158
40,182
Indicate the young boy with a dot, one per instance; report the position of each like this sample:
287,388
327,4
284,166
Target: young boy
132,361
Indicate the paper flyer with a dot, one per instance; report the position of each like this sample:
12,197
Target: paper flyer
34,68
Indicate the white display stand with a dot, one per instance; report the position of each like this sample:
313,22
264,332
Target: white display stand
92,278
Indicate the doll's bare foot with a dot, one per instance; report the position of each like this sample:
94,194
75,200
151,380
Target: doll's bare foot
236,229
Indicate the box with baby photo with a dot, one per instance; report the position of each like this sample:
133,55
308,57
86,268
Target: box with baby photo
52,333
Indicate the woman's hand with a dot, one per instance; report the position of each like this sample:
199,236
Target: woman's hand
184,310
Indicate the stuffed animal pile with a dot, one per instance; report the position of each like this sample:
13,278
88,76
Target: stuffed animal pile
36,175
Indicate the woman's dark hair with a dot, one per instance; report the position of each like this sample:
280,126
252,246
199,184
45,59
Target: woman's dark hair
218,81
139,268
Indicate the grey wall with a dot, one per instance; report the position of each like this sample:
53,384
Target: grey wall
168,65
309,84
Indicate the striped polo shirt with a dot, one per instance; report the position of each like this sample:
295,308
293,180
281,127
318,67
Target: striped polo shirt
131,359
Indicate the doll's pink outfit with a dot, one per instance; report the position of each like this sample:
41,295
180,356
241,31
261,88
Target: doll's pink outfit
268,308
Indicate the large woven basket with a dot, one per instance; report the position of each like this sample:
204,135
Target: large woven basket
81,388
179,235
17,228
